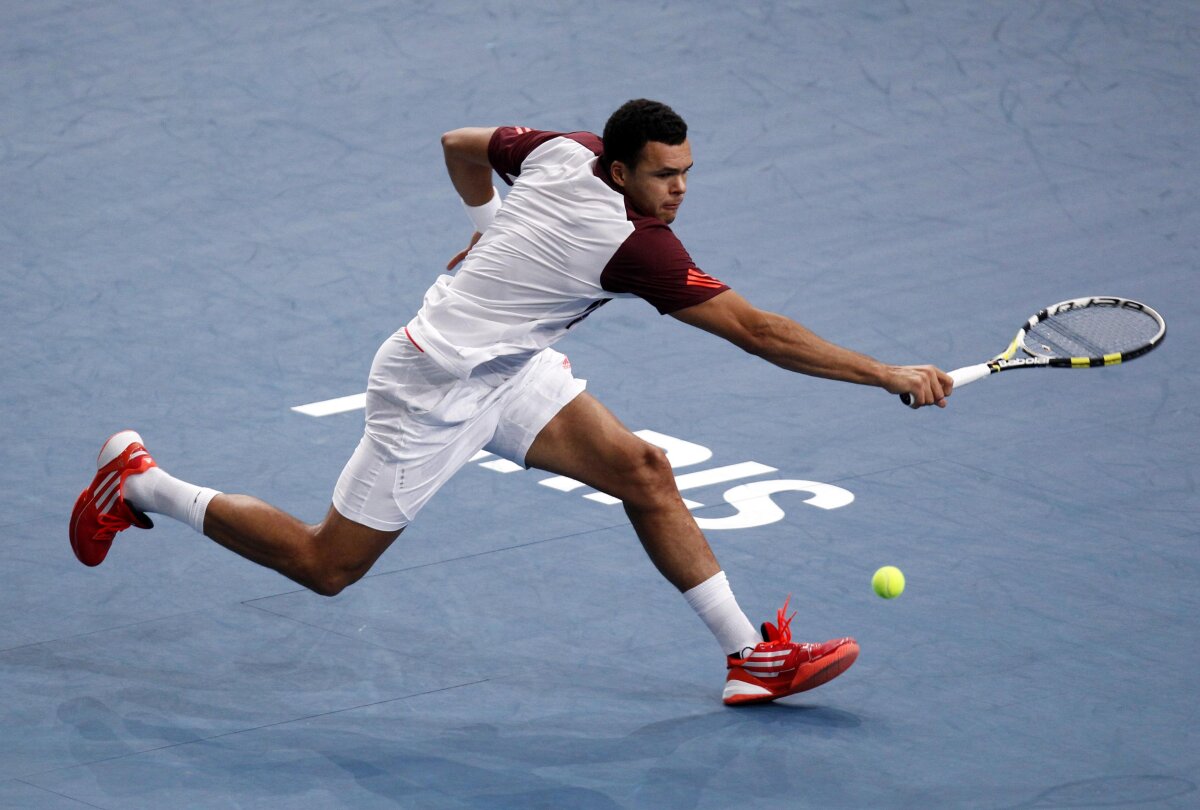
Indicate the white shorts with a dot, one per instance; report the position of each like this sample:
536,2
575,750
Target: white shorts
424,424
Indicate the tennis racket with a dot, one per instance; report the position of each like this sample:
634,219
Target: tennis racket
1080,333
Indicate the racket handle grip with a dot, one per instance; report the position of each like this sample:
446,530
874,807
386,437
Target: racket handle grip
969,374
961,376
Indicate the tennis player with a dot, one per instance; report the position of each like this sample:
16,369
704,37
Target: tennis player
586,220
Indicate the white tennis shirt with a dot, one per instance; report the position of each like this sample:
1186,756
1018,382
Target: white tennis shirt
563,243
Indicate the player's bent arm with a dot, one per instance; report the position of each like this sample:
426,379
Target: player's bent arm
466,153
789,345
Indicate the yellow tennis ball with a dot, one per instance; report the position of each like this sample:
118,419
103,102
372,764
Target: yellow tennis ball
888,582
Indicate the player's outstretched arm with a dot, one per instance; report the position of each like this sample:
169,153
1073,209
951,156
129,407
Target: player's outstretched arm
789,345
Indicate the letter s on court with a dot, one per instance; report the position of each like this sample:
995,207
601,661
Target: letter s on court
755,507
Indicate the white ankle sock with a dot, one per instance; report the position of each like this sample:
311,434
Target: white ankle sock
156,491
716,605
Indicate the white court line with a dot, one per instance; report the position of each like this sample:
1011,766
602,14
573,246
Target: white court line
502,465
327,407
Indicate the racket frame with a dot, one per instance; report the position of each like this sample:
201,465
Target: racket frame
1006,360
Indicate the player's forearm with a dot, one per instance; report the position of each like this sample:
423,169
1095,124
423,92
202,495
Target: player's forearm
466,155
789,345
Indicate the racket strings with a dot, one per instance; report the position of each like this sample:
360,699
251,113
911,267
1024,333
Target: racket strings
1090,332
1059,340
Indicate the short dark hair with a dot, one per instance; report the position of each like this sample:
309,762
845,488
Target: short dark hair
634,124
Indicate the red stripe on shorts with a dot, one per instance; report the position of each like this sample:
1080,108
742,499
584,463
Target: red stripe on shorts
413,342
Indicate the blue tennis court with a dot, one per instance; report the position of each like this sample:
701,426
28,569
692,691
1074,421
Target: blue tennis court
212,214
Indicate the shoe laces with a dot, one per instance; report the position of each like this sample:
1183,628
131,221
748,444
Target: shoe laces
781,631
776,636
109,524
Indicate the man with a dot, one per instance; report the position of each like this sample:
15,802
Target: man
586,220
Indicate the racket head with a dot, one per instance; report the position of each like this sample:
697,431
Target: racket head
1091,331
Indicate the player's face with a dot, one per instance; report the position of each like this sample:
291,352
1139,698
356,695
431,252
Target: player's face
655,187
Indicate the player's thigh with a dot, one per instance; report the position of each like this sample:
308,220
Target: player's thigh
585,441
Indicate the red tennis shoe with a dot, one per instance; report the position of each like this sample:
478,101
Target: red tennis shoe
100,511
778,667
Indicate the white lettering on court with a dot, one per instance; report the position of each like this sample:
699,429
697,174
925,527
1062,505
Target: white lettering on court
752,502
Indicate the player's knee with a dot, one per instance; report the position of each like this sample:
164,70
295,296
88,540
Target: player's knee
651,478
326,586
324,583
329,575
332,581
336,554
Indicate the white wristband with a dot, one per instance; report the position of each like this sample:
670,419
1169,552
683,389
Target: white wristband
482,215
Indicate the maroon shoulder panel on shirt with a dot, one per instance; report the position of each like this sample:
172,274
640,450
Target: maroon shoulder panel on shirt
653,265
509,146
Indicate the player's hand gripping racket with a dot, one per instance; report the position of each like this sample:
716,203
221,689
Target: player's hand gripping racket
1080,333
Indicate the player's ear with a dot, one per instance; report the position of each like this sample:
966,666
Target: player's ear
618,172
